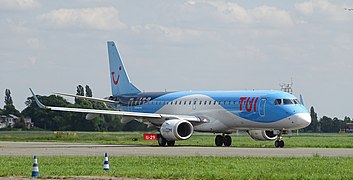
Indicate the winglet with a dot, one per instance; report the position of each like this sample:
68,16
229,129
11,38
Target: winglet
37,101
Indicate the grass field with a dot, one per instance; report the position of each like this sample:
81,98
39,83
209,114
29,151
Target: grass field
198,139
182,167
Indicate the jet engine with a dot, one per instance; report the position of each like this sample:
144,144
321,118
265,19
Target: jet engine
176,129
262,135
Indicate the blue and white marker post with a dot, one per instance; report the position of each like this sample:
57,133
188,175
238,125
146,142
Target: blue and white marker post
35,169
106,163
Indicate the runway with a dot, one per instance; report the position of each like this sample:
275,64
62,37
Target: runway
82,149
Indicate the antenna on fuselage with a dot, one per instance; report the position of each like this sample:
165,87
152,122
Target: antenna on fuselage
287,87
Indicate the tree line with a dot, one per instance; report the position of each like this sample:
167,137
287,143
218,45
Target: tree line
326,124
70,121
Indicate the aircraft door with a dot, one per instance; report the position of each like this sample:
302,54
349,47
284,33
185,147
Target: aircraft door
262,107
194,103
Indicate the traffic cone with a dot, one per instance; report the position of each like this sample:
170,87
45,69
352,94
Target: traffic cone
106,163
35,169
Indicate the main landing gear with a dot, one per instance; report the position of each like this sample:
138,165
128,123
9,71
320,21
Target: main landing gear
225,140
163,142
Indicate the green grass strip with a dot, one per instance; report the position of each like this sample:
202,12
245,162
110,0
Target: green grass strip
198,139
182,167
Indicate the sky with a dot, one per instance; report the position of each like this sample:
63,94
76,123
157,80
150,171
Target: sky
54,46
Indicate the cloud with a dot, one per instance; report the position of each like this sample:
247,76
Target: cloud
18,4
170,33
235,13
324,9
103,18
34,43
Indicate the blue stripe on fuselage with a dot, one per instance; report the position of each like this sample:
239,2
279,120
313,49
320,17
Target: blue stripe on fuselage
245,107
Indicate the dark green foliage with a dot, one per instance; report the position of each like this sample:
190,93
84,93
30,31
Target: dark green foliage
314,125
67,121
8,98
9,108
88,91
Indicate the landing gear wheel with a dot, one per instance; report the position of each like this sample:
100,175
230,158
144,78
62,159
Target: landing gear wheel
161,140
219,140
279,143
170,143
227,140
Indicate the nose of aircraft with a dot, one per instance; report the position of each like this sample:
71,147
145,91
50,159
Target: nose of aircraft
303,119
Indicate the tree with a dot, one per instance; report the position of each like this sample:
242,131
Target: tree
45,119
347,119
326,124
9,108
88,91
337,125
81,92
314,125
8,98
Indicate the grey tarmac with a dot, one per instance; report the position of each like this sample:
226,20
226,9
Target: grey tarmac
83,149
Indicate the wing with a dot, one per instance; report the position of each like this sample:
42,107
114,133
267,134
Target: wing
88,98
153,118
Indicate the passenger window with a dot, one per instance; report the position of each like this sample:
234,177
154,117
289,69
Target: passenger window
200,103
205,103
176,102
179,102
189,102
209,103
184,102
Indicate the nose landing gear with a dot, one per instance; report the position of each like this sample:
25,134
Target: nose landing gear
279,143
225,140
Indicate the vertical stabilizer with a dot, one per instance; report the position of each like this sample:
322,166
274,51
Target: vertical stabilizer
120,81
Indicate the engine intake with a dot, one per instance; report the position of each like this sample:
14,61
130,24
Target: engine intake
173,130
262,135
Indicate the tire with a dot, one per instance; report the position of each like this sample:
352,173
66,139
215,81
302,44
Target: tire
277,143
219,140
281,144
227,140
161,140
170,143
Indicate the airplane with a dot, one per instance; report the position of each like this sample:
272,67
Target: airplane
265,114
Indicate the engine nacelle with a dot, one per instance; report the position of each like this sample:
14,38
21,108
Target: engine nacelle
176,129
262,135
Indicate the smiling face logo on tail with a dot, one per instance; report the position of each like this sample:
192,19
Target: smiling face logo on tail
113,77
119,79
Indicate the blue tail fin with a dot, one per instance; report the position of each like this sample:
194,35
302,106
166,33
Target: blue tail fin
119,79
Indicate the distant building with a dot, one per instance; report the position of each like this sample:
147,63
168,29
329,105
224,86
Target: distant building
349,128
10,120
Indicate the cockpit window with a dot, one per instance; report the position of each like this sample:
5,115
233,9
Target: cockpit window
287,101
296,101
278,101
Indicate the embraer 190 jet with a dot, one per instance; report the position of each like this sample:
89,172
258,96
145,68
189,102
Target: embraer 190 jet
264,114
